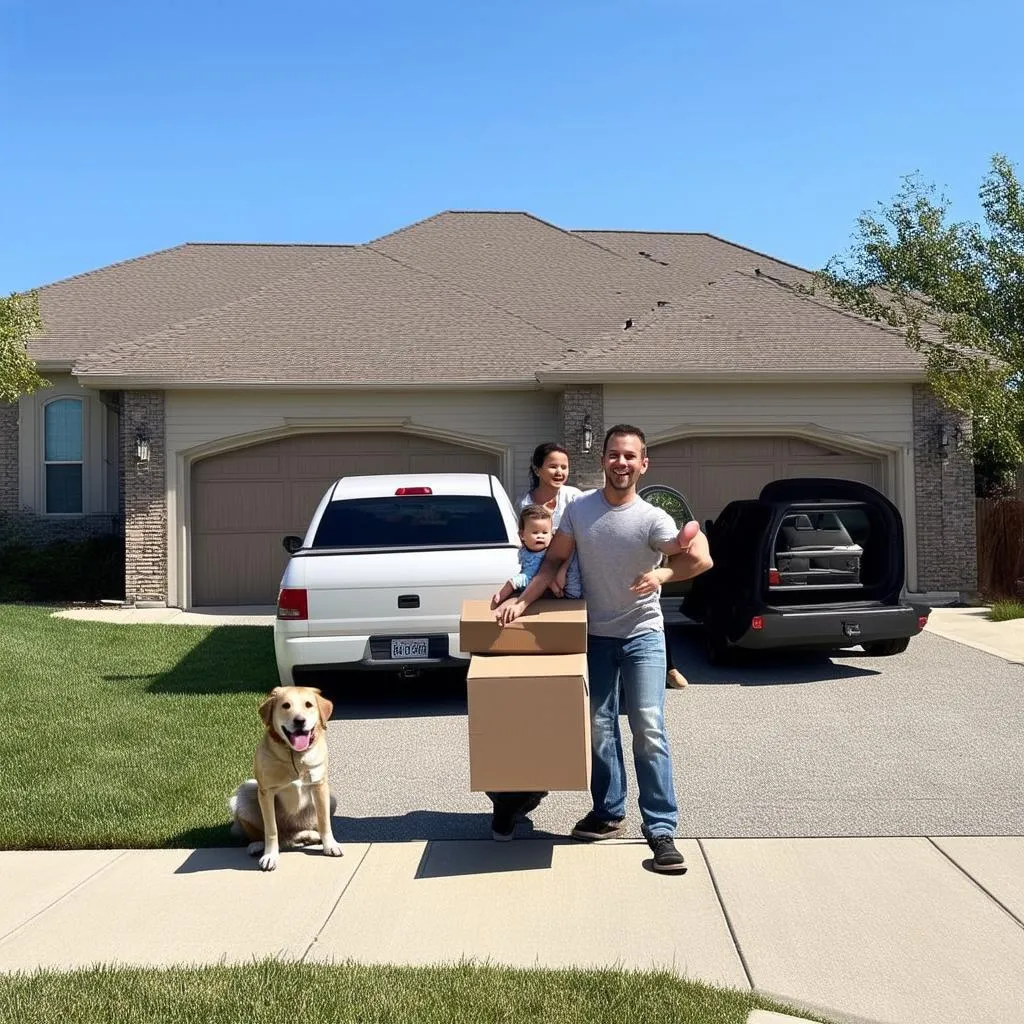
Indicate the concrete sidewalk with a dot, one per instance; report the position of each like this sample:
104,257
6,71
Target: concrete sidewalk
973,627
900,931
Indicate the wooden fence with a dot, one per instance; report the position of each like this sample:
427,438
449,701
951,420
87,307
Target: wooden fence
1000,547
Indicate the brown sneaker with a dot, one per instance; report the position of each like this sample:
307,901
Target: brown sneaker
593,828
675,680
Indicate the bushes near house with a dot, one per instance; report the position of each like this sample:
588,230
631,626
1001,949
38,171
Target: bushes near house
82,567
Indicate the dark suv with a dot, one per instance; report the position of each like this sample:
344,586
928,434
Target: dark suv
810,563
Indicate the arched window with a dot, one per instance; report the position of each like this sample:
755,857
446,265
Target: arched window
62,430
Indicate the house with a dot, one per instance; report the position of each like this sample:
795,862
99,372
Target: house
204,396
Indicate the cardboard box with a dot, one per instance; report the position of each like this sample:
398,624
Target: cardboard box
529,722
548,626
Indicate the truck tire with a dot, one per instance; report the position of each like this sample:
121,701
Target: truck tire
885,648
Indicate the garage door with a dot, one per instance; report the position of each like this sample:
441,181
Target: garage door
712,471
244,502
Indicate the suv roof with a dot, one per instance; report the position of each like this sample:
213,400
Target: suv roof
385,485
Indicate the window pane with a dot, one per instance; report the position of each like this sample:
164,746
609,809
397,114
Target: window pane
411,522
64,488
64,430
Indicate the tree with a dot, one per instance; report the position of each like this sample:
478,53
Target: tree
956,291
19,320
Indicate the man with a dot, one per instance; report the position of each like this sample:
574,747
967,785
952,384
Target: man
619,539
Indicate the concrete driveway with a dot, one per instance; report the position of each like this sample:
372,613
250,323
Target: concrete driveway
930,742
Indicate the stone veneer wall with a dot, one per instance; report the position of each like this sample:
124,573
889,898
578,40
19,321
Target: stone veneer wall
574,404
947,549
8,457
145,497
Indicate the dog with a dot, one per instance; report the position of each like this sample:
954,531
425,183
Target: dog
289,802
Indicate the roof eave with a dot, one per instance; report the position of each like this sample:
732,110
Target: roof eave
105,381
750,376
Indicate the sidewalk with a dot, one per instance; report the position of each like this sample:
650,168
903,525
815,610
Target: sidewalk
972,626
900,931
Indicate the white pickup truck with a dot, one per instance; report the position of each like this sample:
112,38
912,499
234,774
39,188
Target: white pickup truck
379,579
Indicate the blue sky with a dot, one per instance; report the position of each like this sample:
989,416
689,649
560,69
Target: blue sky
132,126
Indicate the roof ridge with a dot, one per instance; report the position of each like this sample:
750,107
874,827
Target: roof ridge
464,291
285,245
111,266
143,339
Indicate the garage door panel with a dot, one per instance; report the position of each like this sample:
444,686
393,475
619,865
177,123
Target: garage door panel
253,558
723,469
245,501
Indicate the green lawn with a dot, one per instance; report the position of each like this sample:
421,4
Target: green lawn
125,736
272,992
1003,611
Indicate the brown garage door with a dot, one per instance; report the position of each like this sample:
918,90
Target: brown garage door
712,471
245,501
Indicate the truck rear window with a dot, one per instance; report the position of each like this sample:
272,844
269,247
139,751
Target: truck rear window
421,521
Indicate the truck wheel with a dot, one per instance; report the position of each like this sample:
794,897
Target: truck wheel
884,648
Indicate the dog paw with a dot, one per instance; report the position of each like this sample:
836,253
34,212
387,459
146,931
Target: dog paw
253,848
332,848
268,862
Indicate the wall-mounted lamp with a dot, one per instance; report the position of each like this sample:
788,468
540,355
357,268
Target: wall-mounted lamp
588,434
948,438
141,447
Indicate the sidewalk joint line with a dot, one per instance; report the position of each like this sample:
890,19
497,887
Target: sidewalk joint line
330,913
1005,909
725,914
63,896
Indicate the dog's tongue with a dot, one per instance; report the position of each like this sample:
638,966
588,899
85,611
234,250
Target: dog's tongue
300,741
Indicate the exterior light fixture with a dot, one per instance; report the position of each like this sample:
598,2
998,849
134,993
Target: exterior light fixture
588,434
141,447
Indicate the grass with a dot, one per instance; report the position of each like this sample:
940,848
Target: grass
124,736
1004,611
272,991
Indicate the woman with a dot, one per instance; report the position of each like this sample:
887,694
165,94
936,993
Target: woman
549,473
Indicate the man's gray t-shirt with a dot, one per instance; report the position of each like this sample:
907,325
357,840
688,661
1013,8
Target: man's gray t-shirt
616,543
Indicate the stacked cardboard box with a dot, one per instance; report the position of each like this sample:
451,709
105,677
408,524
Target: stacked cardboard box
529,704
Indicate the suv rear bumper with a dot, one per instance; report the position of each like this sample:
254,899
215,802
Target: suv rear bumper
831,627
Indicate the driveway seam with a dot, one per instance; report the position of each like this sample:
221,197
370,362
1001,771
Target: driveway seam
63,896
330,913
725,914
1005,909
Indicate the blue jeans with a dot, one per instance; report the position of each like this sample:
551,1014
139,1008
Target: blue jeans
640,661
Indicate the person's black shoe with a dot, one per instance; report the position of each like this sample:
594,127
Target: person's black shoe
503,821
666,857
531,803
594,828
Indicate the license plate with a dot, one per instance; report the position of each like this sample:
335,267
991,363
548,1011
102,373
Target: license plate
409,649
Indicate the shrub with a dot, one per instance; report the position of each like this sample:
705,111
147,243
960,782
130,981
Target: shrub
65,570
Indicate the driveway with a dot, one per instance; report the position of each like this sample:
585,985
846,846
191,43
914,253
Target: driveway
927,743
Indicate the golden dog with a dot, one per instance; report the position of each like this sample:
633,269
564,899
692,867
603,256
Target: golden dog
289,802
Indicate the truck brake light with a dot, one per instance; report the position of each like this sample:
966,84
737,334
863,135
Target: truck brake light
922,621
292,603
413,490
757,622
774,579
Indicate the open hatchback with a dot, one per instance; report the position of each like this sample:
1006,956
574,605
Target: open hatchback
810,563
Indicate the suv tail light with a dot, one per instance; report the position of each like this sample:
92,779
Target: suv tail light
774,579
413,490
757,622
292,603
922,621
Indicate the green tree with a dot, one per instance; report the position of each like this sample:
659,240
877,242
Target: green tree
956,291
19,320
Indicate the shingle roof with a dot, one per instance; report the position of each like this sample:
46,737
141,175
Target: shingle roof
457,298
741,321
134,298
353,317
